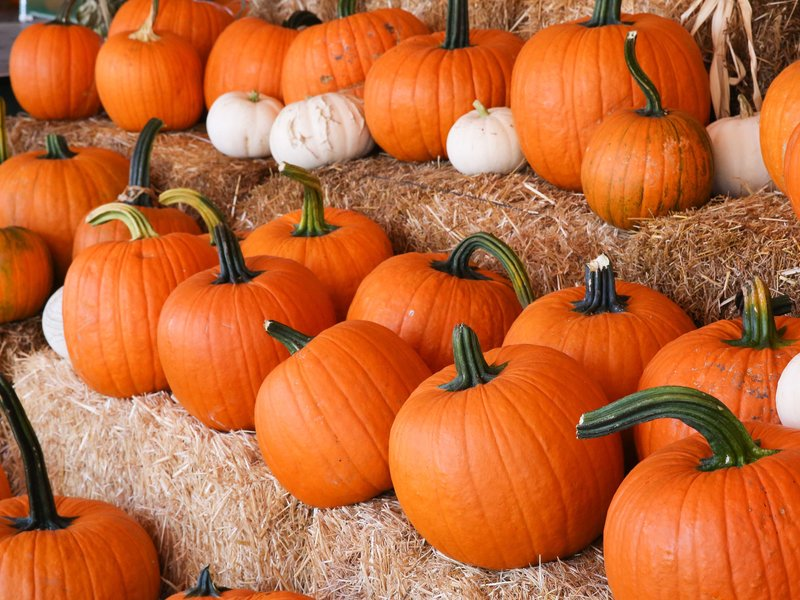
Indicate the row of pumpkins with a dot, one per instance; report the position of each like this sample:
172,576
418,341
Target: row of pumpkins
561,86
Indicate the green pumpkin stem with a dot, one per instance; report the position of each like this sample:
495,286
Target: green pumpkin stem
209,213
62,18
731,445
5,151
205,587
232,266
56,148
457,263
139,192
601,290
345,8
132,218
471,366
146,32
456,33
42,513
482,111
312,222
606,12
291,338
758,319
301,18
653,107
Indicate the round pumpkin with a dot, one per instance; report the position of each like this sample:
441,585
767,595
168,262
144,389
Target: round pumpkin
791,174
569,77
416,91
206,588
780,116
484,141
53,323
26,274
217,315
239,123
485,463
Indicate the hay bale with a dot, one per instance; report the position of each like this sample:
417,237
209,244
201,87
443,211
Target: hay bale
19,339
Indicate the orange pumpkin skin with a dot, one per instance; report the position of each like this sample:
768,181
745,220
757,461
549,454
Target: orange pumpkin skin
568,78
51,196
342,390
780,116
197,21
791,173
26,278
206,588
336,56
477,471
5,487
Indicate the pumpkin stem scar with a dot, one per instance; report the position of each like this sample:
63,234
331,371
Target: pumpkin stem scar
312,222
291,338
139,177
758,320
471,367
601,290
137,224
232,266
56,148
653,107
457,30
205,587
209,213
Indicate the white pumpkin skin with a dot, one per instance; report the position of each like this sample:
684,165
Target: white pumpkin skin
484,143
53,324
738,165
239,123
787,395
321,130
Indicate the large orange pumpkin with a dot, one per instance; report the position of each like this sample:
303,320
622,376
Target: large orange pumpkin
485,463
26,276
423,296
113,296
738,361
330,407
217,315
415,92
206,588
780,116
59,548
571,76
699,522
51,67
791,170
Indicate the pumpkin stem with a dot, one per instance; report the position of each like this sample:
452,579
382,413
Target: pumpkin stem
56,148
5,151
601,290
205,587
312,222
139,192
291,338
42,513
745,110
209,213
471,366
482,111
300,19
653,107
731,445
254,96
145,33
345,8
132,217
606,12
62,18
758,320
232,266
457,30
458,265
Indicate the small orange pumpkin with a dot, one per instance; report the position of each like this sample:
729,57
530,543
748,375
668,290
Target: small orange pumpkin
780,116
26,276
206,588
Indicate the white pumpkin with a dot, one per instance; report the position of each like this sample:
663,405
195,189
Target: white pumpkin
321,130
53,324
738,165
787,395
239,123
484,141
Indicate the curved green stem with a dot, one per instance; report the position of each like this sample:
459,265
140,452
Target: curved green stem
482,111
209,213
146,33
601,290
345,8
653,107
300,19
205,587
606,12
56,148
5,151
62,18
42,513
138,192
731,445
291,338
312,222
132,217
232,266
758,320
471,366
456,33
458,263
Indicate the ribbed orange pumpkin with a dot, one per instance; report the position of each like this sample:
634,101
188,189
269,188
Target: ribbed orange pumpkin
415,92
780,116
485,462
26,276
210,341
648,162
51,67
249,55
206,588
330,408
59,548
141,75
423,296
138,193
197,21
791,171
336,56
571,76
339,246
737,361
113,296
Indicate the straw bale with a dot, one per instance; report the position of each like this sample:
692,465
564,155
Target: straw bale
18,339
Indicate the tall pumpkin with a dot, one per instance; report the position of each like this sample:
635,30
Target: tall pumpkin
780,116
26,275
416,92
336,56
571,76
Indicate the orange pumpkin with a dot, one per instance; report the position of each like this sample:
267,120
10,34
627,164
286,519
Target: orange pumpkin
485,462
646,163
791,172
571,76
113,296
51,67
780,116
339,246
26,277
415,92
336,56
217,314
205,588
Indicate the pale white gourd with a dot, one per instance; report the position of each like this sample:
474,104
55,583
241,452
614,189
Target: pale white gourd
321,130
484,141
239,123
787,395
53,324
738,166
